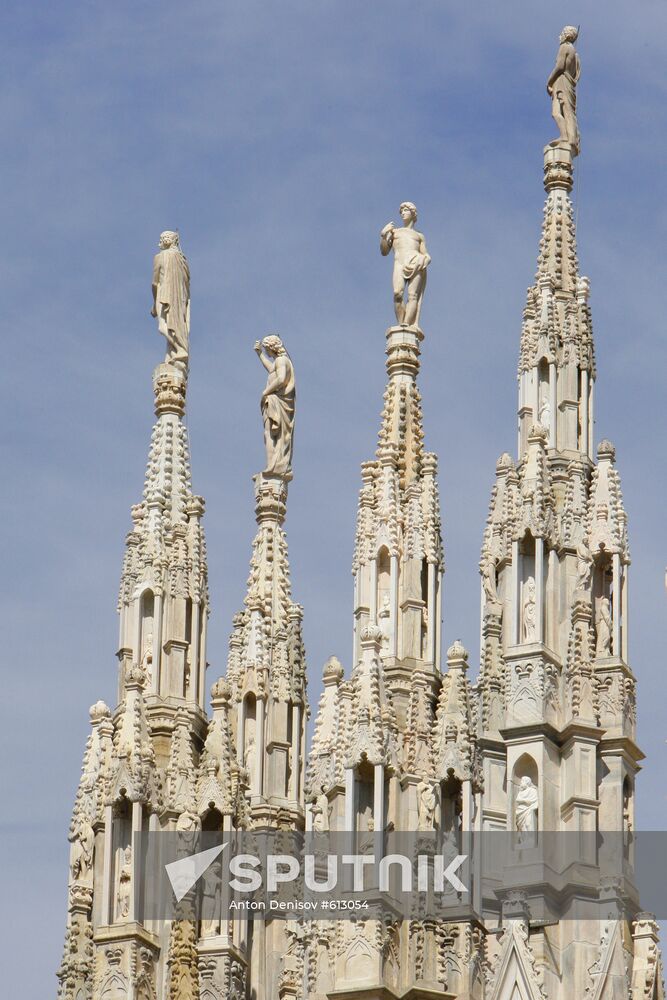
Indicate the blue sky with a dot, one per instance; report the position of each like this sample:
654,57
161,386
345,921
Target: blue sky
279,138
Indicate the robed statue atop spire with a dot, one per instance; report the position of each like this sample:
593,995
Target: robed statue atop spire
277,405
562,88
171,298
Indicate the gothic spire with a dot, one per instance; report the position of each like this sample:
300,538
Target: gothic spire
266,667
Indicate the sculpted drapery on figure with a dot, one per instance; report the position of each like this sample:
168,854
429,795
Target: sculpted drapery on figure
603,626
529,612
562,88
410,262
171,298
277,405
525,810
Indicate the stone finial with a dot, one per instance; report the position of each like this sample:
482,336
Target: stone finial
457,653
169,385
100,710
411,259
538,434
221,692
606,450
333,671
371,634
505,462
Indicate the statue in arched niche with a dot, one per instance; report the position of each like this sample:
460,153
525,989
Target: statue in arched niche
530,612
525,810
603,626
426,803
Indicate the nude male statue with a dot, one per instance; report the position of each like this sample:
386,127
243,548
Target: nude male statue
562,88
410,262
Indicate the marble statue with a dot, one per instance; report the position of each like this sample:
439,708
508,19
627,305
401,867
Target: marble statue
171,298
489,583
603,626
384,621
82,852
426,803
529,612
321,813
249,761
525,810
277,405
125,885
545,413
584,565
562,88
410,262
147,660
188,822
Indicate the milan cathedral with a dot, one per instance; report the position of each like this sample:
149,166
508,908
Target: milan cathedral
543,740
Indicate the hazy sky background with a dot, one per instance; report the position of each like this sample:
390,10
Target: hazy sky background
279,138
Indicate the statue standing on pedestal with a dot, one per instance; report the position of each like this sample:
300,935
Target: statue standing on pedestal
171,298
410,262
562,88
277,405
525,810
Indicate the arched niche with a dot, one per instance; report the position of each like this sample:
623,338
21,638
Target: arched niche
525,767
147,641
383,577
451,807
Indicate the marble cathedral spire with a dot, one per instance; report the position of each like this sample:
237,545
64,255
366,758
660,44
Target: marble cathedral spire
266,666
140,768
557,718
394,743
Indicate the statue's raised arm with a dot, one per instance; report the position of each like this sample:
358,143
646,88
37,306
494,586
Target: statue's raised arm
277,405
171,298
411,259
562,88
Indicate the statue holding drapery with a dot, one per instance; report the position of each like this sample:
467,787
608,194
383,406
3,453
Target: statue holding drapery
277,405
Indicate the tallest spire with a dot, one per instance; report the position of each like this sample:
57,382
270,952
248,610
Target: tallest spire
556,360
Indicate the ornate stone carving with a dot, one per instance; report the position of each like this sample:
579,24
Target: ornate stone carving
562,88
278,401
171,298
410,262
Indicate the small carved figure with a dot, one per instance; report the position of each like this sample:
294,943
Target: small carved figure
603,626
277,405
125,885
321,813
562,88
529,612
545,413
384,622
584,564
249,762
410,262
147,660
525,810
426,803
171,298
82,851
188,822
489,583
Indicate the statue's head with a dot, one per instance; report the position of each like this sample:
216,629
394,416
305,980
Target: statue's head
168,239
569,33
526,781
408,211
273,345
